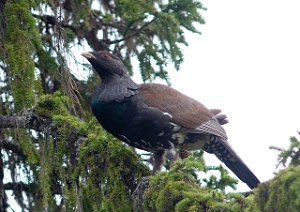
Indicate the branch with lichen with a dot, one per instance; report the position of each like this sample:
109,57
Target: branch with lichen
30,187
28,120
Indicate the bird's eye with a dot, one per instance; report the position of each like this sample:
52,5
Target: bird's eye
106,56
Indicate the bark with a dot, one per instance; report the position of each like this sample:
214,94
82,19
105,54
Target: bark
28,120
138,195
3,198
8,145
29,188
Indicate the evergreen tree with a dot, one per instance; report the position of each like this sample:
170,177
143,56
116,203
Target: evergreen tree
54,154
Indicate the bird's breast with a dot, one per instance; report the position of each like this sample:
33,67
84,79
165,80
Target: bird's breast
111,115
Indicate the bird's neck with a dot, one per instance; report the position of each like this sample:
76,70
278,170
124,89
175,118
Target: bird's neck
116,88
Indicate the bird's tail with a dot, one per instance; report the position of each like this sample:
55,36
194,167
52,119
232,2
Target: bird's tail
227,155
222,118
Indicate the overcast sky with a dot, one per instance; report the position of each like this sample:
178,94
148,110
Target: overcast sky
246,62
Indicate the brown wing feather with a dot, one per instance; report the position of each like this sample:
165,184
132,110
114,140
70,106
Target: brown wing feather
184,110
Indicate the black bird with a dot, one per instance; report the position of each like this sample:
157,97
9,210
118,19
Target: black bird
156,117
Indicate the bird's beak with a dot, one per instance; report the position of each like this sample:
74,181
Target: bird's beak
88,55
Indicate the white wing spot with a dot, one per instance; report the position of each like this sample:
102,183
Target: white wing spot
167,114
176,127
161,134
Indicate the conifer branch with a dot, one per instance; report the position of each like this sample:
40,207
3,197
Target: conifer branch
28,120
30,188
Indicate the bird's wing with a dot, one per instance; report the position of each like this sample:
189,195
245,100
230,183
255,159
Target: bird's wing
184,111
212,127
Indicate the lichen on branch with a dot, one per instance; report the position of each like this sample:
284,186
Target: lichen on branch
19,40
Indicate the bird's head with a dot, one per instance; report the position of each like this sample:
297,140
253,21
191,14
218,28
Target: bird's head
107,65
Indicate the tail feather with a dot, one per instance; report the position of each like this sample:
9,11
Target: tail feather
227,155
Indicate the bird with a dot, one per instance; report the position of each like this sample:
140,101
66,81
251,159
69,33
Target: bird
157,118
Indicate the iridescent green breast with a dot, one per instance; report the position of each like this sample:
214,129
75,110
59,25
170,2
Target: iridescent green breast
111,115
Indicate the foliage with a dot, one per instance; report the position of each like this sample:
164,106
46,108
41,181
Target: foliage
181,189
65,161
290,155
281,193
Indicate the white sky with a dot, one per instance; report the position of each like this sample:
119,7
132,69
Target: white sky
246,62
